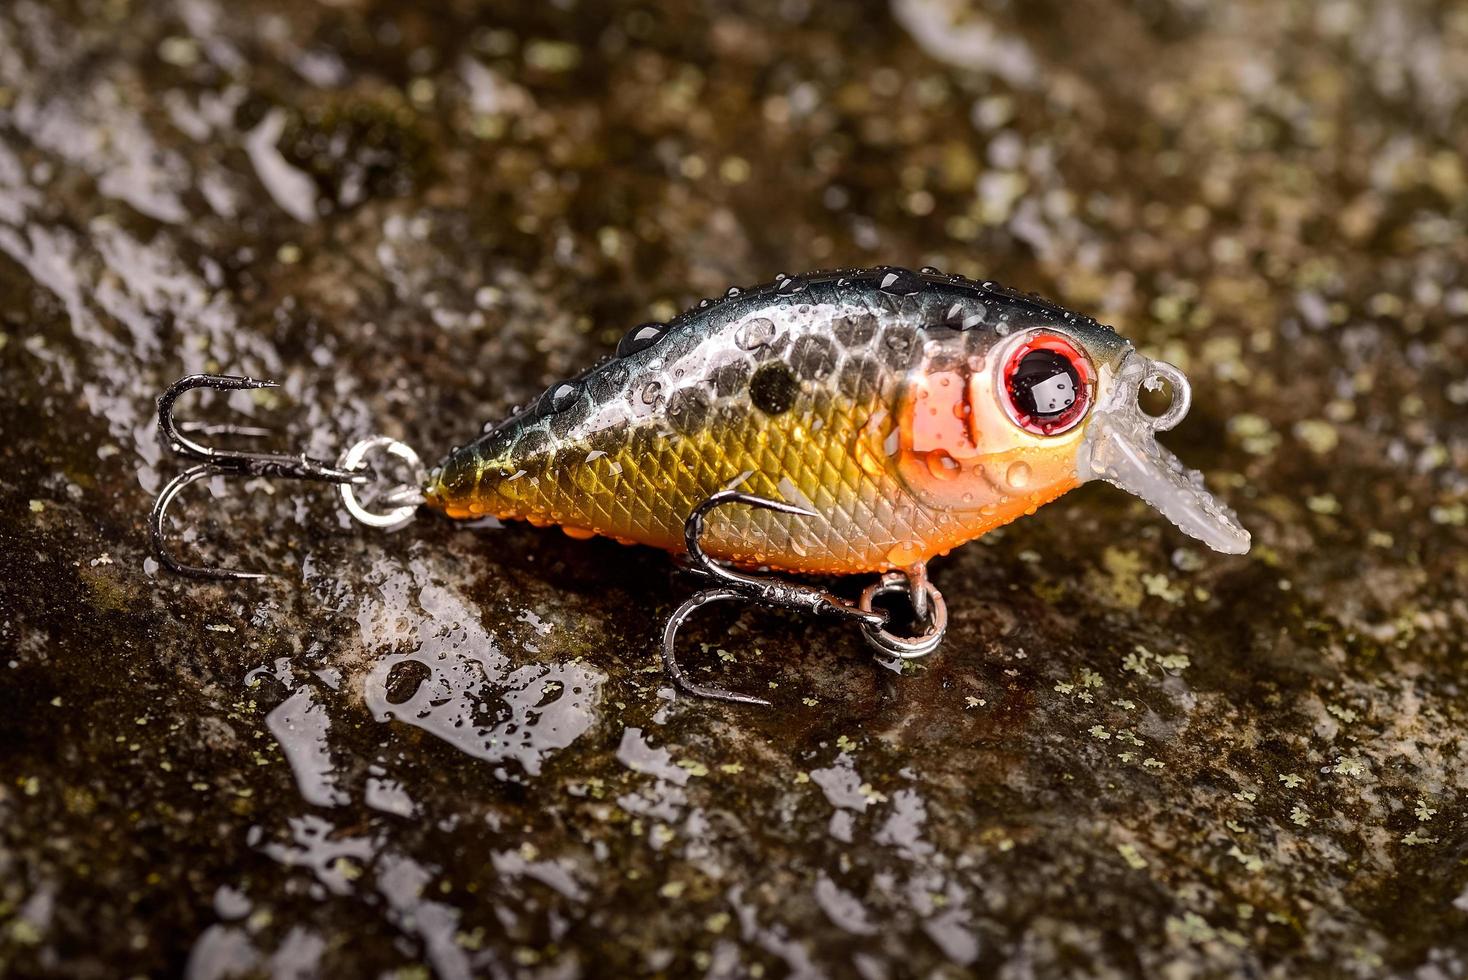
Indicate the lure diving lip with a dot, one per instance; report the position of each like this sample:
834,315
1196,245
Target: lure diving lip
1121,448
834,423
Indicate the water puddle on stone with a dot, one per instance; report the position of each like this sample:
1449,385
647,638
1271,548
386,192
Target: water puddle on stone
484,699
414,656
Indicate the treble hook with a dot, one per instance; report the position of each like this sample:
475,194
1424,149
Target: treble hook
348,474
782,593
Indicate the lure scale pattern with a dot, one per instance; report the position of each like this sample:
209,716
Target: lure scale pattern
797,392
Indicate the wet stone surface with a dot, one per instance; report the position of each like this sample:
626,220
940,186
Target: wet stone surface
451,751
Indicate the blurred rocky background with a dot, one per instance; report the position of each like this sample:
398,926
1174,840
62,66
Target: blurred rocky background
452,752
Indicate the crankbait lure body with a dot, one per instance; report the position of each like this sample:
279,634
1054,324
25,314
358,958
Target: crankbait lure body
842,422
907,412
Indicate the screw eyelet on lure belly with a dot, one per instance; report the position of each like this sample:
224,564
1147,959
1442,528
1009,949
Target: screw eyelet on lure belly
833,423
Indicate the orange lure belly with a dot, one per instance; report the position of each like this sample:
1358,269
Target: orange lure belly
840,458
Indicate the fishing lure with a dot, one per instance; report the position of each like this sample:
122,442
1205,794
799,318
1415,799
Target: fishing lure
833,423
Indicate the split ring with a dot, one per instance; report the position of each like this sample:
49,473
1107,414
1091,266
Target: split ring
355,458
905,647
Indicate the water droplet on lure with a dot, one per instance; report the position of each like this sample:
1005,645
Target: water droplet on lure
558,398
651,392
964,317
733,291
892,443
756,333
898,281
942,465
640,338
870,463
1018,475
790,285
904,554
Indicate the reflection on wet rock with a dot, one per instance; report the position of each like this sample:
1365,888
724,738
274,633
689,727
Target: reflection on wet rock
389,796
334,860
301,726
636,754
472,694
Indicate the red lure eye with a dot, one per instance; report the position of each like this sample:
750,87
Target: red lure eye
1047,384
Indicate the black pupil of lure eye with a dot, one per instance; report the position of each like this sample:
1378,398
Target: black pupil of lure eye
640,338
1044,384
773,389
